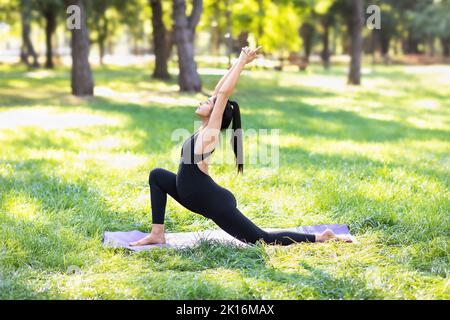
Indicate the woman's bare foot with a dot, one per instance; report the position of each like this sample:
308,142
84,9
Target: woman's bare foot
328,235
152,238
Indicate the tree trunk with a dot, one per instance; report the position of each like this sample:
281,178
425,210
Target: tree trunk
334,39
229,34
170,42
326,44
101,49
215,40
184,31
385,41
82,81
135,49
27,48
215,29
431,47
411,44
260,22
445,43
102,30
50,27
160,45
306,32
356,25
110,47
243,39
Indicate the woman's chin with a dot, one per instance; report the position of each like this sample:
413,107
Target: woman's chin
199,115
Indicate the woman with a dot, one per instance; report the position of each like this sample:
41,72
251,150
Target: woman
193,188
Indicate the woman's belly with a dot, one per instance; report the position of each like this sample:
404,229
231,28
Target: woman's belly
200,190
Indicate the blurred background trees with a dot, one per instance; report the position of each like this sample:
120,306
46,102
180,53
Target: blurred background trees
293,33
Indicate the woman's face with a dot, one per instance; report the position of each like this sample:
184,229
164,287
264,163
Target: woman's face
205,108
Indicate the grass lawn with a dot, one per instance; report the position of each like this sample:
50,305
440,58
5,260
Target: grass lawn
374,157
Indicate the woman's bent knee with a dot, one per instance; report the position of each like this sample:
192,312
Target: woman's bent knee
154,174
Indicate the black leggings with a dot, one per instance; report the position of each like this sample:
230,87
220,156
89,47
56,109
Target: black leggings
197,192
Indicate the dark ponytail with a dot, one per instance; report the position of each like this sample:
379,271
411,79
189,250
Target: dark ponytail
236,138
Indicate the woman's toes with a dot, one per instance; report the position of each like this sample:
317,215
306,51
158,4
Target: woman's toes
141,242
349,239
134,243
327,235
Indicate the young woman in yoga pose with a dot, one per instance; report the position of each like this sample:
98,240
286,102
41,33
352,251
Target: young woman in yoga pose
193,188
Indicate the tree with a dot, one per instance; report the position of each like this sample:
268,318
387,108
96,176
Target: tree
134,15
184,32
49,10
27,48
315,15
408,10
100,23
431,20
282,24
306,33
160,43
355,28
213,22
326,14
82,81
383,37
216,27
326,21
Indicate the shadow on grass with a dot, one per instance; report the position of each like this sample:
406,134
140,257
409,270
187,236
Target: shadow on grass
293,116
251,266
306,120
391,217
65,217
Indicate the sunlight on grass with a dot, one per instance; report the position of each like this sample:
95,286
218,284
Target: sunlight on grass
49,119
21,207
40,74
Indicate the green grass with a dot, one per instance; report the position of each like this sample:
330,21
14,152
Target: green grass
374,157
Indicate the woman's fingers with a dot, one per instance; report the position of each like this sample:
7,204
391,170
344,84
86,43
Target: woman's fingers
255,51
246,48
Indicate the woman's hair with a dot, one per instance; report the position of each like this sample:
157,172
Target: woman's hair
232,113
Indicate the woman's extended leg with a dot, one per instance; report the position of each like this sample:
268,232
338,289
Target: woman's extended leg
162,182
239,226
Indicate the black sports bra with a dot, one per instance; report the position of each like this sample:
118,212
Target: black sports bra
189,146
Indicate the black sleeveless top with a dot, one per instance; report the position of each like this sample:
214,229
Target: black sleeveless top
188,156
191,181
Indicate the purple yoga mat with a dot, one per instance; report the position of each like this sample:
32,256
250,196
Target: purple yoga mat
190,239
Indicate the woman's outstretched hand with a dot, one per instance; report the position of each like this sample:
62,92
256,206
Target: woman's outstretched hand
248,55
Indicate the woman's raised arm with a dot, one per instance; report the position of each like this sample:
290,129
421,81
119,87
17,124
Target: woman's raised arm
225,76
229,83
210,136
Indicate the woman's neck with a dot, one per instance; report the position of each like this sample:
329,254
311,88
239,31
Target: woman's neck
204,124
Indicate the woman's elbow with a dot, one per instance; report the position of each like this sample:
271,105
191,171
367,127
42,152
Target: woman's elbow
225,93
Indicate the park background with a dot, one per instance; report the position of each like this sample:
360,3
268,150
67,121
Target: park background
363,115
